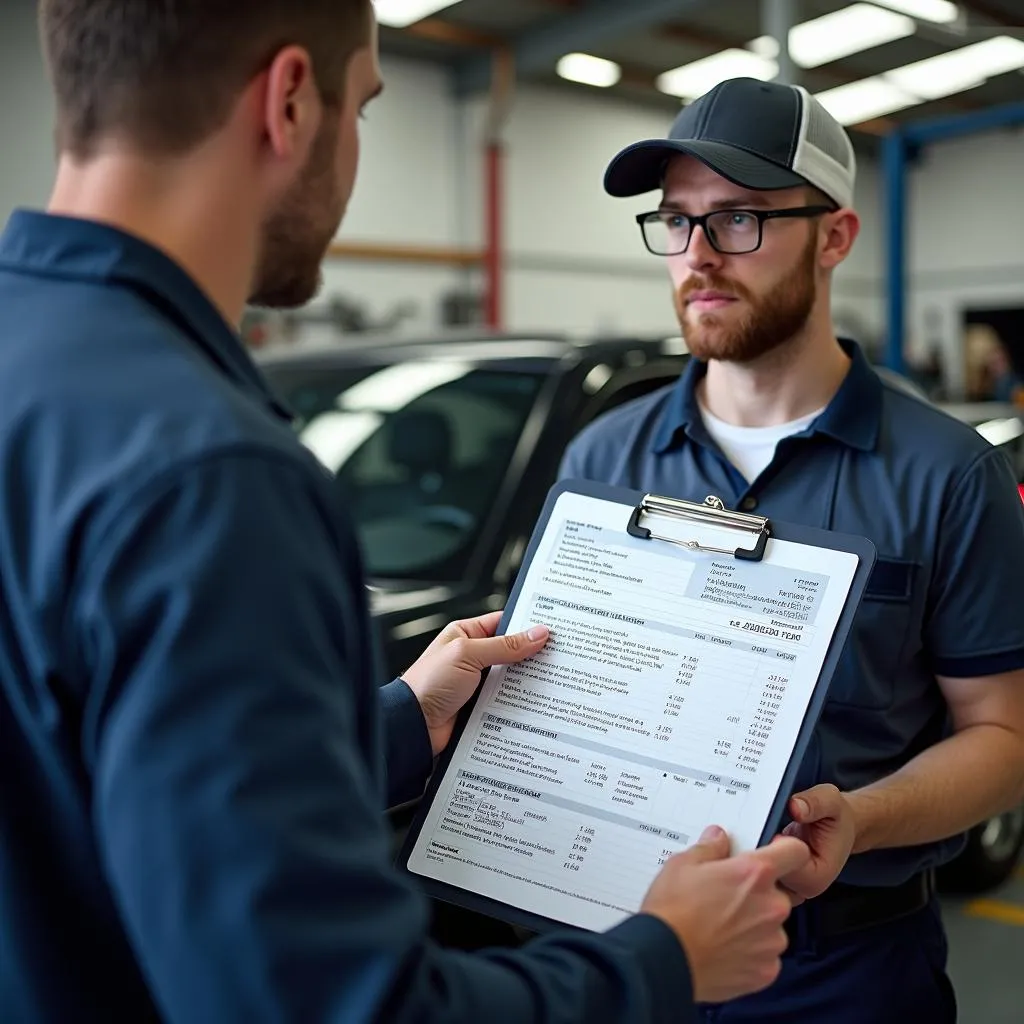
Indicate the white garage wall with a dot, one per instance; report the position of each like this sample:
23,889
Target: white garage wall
575,258
26,115
407,193
966,245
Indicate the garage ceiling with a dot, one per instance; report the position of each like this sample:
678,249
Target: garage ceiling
647,38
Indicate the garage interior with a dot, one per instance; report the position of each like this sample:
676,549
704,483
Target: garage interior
480,234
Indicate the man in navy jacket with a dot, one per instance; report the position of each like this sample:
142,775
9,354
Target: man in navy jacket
195,754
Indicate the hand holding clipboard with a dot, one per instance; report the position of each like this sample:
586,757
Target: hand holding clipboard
680,687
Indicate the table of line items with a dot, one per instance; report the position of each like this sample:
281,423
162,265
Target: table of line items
667,698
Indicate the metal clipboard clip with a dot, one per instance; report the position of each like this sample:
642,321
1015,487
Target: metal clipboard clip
712,512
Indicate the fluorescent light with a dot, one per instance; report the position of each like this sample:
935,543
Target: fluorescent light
863,100
695,79
924,80
927,80
399,13
960,69
941,11
997,56
588,70
850,30
764,46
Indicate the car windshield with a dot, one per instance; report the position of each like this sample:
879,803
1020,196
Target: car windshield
419,448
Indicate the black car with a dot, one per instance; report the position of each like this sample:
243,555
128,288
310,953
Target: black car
1000,423
446,449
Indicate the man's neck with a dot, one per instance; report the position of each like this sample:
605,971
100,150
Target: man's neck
792,381
202,229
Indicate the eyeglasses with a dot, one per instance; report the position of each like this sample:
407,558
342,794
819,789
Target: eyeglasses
730,232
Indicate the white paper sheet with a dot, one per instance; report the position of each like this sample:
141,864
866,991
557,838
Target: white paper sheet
669,697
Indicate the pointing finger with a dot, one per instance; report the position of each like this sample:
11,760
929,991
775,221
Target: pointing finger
713,845
783,856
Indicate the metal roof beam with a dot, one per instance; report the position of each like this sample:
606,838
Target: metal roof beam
994,14
539,49
1007,115
777,20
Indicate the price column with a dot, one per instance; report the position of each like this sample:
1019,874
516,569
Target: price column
581,846
704,705
764,713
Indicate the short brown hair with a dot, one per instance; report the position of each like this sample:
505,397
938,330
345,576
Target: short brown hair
814,196
163,74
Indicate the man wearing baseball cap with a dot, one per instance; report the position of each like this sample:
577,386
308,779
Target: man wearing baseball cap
923,733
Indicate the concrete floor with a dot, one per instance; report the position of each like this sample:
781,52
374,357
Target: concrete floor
986,954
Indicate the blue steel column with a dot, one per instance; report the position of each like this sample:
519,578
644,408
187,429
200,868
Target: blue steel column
896,148
894,161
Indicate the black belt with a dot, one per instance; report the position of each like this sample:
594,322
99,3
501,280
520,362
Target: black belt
849,908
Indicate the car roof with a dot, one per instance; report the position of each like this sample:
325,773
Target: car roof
474,345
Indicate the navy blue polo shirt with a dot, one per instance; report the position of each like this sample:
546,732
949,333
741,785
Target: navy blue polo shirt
193,768
939,503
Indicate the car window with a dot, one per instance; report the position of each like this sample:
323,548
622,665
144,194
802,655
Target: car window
418,449
635,389
627,388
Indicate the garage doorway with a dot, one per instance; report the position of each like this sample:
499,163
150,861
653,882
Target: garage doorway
993,353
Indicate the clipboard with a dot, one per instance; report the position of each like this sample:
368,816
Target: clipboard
753,537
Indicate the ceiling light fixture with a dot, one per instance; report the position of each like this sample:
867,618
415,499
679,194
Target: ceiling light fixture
588,70
695,79
864,100
764,46
940,11
850,30
860,26
959,70
401,13
924,80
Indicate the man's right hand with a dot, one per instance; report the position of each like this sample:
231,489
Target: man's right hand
728,912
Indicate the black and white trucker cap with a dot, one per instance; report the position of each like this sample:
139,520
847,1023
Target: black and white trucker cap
759,135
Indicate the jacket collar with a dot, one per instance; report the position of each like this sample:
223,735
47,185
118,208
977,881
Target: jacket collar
70,248
853,417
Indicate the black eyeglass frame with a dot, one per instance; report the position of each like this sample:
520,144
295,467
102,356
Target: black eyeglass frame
700,220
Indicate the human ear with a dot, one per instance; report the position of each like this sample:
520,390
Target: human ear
292,105
839,231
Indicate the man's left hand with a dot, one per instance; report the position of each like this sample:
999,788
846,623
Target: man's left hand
446,675
823,819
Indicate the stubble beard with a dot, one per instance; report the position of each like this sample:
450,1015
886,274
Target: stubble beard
297,234
770,321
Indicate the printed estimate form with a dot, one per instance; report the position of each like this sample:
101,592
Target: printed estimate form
669,697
